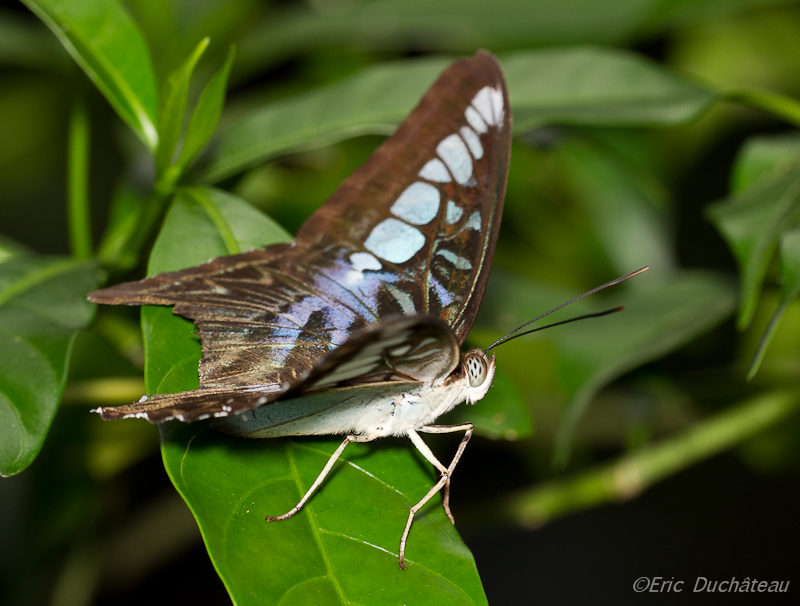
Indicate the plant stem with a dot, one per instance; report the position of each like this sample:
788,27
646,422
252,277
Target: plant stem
80,230
630,475
779,105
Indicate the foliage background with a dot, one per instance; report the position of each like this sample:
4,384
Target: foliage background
622,158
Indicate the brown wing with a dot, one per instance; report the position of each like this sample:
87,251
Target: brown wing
410,232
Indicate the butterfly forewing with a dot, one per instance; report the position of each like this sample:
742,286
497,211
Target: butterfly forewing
419,220
411,232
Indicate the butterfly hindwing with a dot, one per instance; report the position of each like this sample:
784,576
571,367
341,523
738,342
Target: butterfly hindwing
411,232
413,349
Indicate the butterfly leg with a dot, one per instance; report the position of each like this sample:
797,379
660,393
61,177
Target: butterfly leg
467,429
444,481
320,478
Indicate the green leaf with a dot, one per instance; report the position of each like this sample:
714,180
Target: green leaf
10,248
598,86
790,272
624,203
764,158
575,86
42,307
657,320
104,40
503,412
28,44
460,25
752,224
173,107
373,101
206,113
767,170
348,534
127,207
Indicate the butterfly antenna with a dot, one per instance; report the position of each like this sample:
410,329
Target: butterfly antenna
512,334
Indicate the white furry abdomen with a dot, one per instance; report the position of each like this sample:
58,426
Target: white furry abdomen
364,412
374,411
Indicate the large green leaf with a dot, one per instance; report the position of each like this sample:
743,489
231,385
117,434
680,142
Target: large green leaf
576,86
107,44
348,535
42,307
752,223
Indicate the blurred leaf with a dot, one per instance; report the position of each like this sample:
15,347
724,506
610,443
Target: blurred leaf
24,42
625,204
503,412
598,86
576,86
173,107
104,40
373,101
127,206
42,307
673,13
464,26
9,248
752,223
790,272
335,549
206,113
762,162
657,320
764,158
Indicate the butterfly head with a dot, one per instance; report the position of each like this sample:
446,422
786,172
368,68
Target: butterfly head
478,371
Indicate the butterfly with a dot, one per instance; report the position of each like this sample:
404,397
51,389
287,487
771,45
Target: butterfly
356,327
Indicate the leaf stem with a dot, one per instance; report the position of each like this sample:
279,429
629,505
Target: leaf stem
630,475
80,228
781,106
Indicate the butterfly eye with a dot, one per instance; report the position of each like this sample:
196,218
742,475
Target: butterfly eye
476,370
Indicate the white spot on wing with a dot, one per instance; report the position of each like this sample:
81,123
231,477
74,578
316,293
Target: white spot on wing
403,299
362,261
474,221
394,241
457,261
496,96
473,142
399,351
454,152
418,204
454,212
483,103
475,121
435,171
